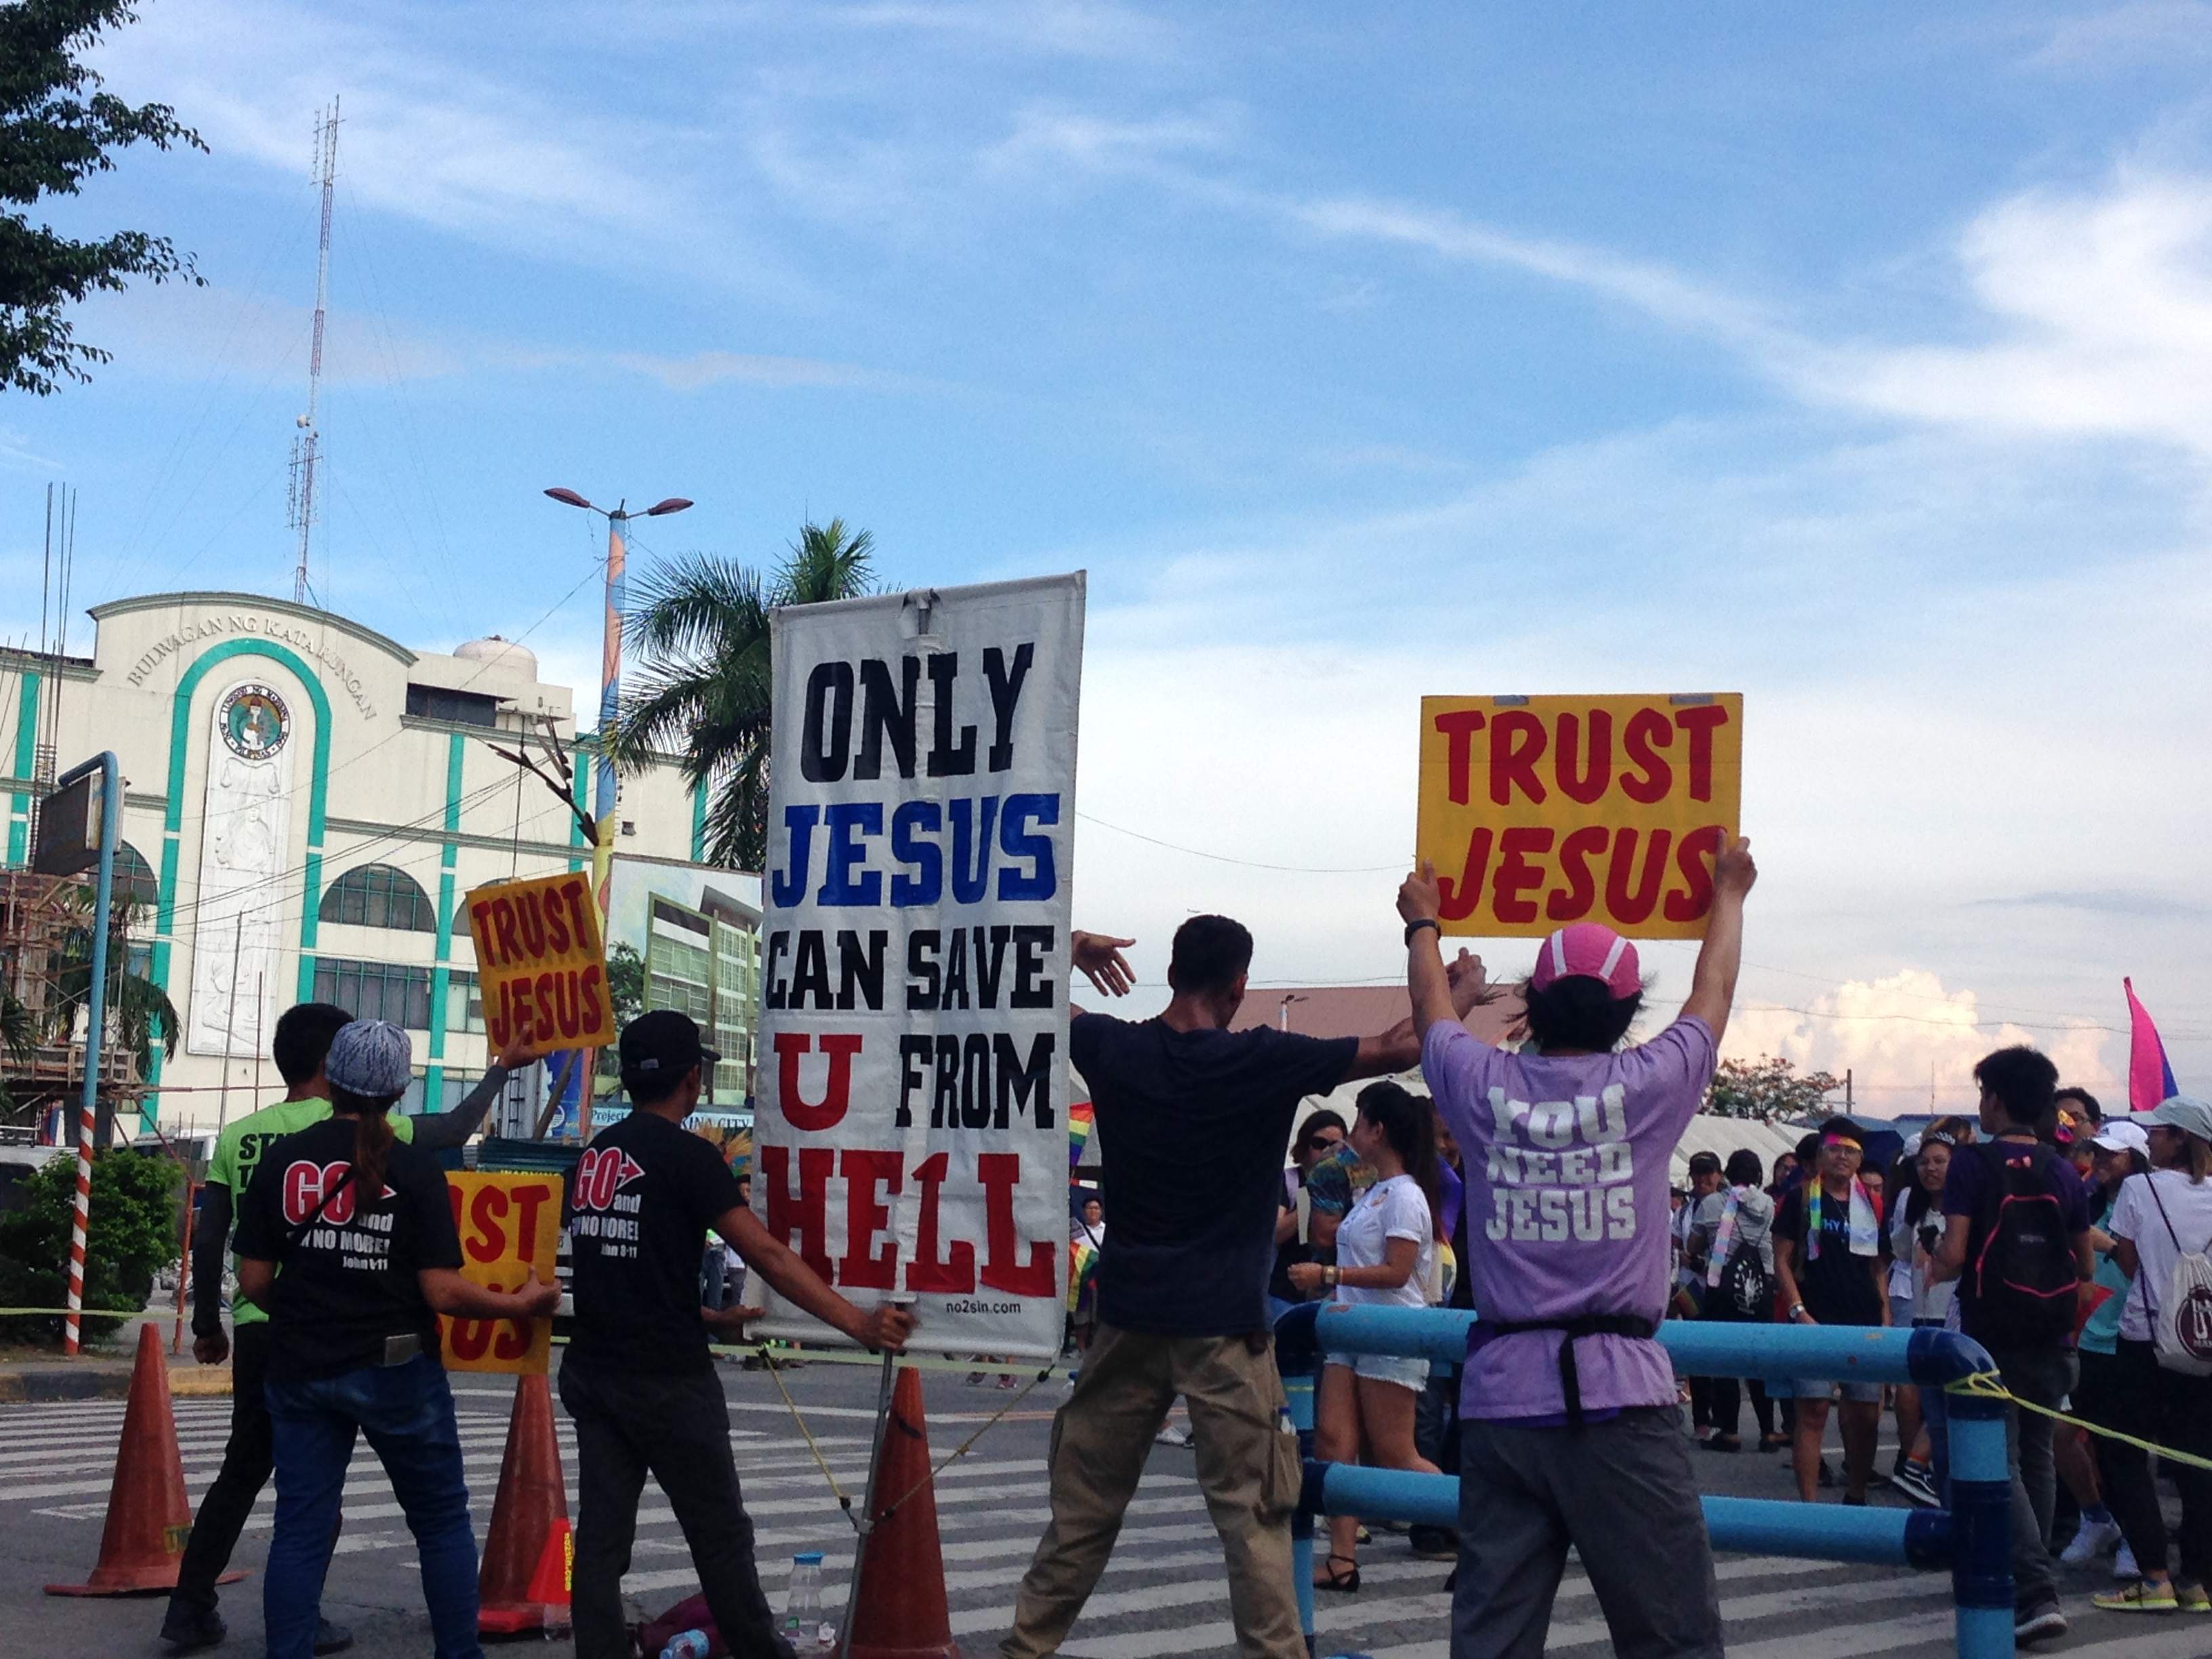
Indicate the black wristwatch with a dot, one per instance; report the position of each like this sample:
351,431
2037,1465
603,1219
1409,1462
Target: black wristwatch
1414,927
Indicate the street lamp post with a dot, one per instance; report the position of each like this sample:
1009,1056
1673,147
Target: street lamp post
603,783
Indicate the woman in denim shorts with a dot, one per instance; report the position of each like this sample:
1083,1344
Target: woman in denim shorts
1386,1253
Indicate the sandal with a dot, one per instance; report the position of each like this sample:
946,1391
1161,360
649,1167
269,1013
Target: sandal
1723,1443
2144,1595
1347,1583
1773,1442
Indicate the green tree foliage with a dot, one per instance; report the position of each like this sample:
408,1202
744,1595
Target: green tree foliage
133,1233
57,127
626,992
1767,1088
703,692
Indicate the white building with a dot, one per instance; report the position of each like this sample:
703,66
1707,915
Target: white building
306,802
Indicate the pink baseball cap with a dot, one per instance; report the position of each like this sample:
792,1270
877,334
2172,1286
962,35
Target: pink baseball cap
1588,949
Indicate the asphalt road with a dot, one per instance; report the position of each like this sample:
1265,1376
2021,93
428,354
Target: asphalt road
1163,1593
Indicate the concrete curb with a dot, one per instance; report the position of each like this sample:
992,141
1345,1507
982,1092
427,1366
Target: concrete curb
40,1384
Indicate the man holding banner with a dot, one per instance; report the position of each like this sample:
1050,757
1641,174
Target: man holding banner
639,1378
1579,821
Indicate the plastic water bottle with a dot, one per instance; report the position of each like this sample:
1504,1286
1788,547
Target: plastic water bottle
803,1625
687,1644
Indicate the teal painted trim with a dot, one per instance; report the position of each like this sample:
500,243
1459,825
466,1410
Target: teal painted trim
26,760
433,1078
698,823
581,784
172,820
441,976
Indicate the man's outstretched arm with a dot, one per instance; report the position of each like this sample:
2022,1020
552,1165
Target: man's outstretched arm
438,1132
1712,985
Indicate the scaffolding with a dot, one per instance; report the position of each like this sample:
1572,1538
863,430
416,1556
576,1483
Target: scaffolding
40,918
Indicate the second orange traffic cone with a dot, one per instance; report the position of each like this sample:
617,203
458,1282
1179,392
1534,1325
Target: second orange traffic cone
519,1588
148,1516
902,1613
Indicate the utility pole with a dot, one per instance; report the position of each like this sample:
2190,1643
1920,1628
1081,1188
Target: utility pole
308,447
603,786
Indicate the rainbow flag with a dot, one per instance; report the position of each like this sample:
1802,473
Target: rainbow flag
2150,1077
1079,1122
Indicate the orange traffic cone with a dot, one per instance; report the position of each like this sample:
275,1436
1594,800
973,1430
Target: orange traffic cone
148,1516
902,1612
515,1590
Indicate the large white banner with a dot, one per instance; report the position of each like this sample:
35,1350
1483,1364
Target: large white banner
911,1137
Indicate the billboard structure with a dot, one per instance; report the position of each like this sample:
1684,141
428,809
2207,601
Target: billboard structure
912,1130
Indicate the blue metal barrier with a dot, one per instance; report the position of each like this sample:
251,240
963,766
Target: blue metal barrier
1974,1538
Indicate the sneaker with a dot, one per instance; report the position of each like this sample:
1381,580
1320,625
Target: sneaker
2091,1541
187,1627
2192,1598
1172,1435
1434,1544
2123,1563
1917,1482
331,1638
2038,1624
2141,1596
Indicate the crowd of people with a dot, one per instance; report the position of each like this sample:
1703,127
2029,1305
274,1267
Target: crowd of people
1530,1183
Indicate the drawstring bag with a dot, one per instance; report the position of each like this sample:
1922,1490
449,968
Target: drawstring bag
2181,1318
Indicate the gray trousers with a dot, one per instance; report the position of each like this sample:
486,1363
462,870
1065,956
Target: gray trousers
1623,1493
2042,1378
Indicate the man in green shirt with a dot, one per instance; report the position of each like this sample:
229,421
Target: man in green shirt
301,1042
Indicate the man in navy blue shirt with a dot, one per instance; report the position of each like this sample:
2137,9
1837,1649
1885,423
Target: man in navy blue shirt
1193,1122
2016,1238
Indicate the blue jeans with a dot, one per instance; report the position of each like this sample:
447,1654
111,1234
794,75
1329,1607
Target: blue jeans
407,1412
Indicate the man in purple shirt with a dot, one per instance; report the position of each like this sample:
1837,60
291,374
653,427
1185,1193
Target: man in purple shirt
1571,1433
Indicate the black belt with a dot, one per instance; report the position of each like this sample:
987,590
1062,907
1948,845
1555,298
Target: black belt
1589,1325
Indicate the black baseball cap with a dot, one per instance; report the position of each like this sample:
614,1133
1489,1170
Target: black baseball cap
663,1044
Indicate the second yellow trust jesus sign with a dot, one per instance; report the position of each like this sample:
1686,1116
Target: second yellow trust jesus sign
1538,811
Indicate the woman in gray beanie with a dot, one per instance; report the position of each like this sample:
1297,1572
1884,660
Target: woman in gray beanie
363,1230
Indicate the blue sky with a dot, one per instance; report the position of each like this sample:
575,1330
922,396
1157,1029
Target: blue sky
1856,362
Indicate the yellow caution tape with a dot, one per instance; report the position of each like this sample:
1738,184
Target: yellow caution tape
1989,1385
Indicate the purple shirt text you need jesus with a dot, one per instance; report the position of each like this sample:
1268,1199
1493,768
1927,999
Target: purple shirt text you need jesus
1566,1161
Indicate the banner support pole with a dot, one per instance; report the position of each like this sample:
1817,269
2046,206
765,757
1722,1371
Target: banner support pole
867,1505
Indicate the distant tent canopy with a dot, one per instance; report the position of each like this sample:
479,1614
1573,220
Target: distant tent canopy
380,895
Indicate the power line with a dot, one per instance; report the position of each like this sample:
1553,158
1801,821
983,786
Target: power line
1248,863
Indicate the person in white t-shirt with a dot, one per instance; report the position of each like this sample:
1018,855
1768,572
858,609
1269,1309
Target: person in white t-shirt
1386,1253
2158,1217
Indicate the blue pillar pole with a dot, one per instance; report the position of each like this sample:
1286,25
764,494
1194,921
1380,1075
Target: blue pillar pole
1981,1526
1298,1394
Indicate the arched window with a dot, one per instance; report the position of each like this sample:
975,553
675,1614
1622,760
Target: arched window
380,895
134,877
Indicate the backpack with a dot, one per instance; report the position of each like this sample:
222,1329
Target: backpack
1745,1289
2023,1282
2181,1318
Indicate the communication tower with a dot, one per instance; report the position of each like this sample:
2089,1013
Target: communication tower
306,447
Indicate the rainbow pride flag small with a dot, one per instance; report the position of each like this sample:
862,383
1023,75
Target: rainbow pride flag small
2150,1076
1079,1122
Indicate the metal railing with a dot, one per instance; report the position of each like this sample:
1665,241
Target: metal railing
1972,1539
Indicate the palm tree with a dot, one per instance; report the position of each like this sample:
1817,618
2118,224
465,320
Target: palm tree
702,692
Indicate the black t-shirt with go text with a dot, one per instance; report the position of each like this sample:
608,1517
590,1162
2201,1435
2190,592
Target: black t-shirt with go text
645,1193
346,1281
1192,1130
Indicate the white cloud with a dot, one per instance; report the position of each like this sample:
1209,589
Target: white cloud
1907,1041
2098,309
2156,31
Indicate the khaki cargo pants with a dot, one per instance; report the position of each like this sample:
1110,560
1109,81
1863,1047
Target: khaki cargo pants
1247,1468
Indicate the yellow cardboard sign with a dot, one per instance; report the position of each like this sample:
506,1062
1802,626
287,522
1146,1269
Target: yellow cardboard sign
1538,812
510,1229
542,964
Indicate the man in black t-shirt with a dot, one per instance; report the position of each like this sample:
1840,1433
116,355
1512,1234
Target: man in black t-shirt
1193,1120
638,1378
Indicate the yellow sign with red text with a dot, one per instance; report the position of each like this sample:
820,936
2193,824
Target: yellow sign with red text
1538,812
510,1228
541,962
